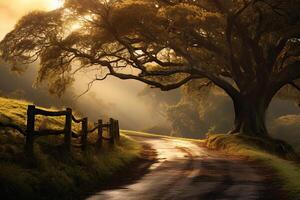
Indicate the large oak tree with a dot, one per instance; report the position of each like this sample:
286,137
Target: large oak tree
248,48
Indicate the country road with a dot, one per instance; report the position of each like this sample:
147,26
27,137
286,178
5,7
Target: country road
188,171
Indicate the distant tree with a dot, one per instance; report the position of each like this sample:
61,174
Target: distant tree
248,48
200,111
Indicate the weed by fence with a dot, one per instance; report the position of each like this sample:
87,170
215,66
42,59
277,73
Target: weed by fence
31,134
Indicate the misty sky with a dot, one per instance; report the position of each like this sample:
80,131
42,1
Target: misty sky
116,98
111,98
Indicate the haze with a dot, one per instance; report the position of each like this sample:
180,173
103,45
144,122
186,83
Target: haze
112,97
121,99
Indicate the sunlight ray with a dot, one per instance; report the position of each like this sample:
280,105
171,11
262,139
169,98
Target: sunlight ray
55,4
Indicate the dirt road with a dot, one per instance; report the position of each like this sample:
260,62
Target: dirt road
186,170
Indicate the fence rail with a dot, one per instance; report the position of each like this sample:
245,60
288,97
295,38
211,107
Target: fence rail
13,126
31,134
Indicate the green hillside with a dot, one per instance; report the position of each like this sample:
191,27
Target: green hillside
14,111
284,164
51,173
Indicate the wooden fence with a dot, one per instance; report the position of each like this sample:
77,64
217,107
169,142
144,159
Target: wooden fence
112,127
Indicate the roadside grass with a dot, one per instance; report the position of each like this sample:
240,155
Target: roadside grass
288,171
52,173
143,134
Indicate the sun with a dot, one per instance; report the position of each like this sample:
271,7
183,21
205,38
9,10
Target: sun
54,4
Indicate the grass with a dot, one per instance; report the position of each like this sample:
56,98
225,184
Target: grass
138,133
14,111
288,171
52,173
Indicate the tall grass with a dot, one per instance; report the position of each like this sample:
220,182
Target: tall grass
15,111
288,171
52,173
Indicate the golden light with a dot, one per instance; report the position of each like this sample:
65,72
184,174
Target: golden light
55,4
75,26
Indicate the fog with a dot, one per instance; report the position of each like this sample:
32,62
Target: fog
135,105
109,98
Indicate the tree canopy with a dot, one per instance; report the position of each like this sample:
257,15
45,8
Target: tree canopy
248,48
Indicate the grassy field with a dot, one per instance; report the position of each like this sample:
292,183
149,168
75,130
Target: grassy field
51,173
138,133
287,170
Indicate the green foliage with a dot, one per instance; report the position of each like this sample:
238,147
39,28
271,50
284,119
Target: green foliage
195,114
169,36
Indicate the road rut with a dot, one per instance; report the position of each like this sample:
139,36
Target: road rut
185,170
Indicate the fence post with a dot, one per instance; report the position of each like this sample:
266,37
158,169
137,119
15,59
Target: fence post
100,132
118,129
68,129
115,130
30,129
111,131
84,132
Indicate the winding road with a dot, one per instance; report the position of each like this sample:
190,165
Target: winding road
185,170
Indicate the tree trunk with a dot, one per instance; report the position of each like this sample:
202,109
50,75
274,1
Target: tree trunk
250,114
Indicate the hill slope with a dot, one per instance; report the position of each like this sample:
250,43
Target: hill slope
51,173
265,152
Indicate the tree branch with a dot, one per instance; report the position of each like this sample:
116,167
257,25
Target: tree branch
294,85
90,84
